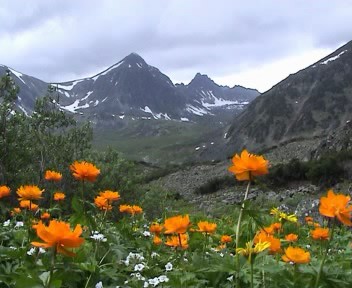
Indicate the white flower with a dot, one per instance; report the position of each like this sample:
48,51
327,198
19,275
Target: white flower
163,278
41,250
221,254
13,248
138,276
154,254
31,251
146,234
154,281
139,267
308,246
7,223
99,285
19,224
230,278
185,259
146,284
98,237
168,266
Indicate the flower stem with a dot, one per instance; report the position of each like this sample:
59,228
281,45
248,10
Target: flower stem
238,234
53,257
252,274
325,254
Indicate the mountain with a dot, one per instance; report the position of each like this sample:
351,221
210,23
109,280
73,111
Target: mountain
310,103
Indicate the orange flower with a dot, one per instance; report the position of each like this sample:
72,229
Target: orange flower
291,237
273,228
110,195
225,239
58,196
45,215
15,211
59,235
206,227
29,192
84,171
248,165
308,219
296,255
27,204
52,176
275,244
130,209
157,240
180,240
4,191
102,203
177,224
320,233
335,205
156,228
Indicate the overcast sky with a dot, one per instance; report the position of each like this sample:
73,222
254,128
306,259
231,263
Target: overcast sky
254,43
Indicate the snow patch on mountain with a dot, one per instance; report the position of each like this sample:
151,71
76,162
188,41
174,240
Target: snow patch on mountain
333,58
18,75
196,110
74,106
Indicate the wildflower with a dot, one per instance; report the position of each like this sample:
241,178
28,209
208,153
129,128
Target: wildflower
131,209
180,240
250,251
248,165
320,233
102,203
230,278
157,240
7,223
29,192
308,219
19,224
335,205
154,281
291,237
15,211
139,267
168,266
99,285
296,255
283,216
110,195
31,251
98,237
206,227
273,228
177,224
58,196
154,255
156,228
59,235
45,215
4,191
52,176
27,204
84,171
146,234
163,278
225,239
275,244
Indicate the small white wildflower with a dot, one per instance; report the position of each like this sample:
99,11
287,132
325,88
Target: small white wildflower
13,248
230,278
163,278
99,285
139,267
308,246
126,282
146,284
168,266
19,224
146,234
154,281
41,250
185,259
7,223
98,237
138,276
221,254
154,254
31,251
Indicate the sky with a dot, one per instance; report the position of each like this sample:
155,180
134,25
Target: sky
253,43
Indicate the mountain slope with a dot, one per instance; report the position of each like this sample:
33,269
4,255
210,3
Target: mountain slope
309,103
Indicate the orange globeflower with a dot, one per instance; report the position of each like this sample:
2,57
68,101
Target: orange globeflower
206,227
275,244
225,239
296,255
320,233
291,237
180,240
4,191
59,235
157,240
110,195
45,215
102,203
29,192
308,219
273,228
130,209
58,196
335,205
52,175
84,171
15,211
156,228
177,224
248,165
28,205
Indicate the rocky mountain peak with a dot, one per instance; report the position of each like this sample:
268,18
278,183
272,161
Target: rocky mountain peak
202,81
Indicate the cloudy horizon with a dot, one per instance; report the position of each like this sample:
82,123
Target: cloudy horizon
255,44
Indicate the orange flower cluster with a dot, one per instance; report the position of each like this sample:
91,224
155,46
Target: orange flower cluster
180,240
52,176
320,233
156,228
291,237
59,196
206,227
263,236
336,205
102,203
4,191
27,204
29,192
84,171
177,224
131,209
296,255
225,239
247,165
59,236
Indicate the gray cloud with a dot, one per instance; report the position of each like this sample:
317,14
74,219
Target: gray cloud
60,40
